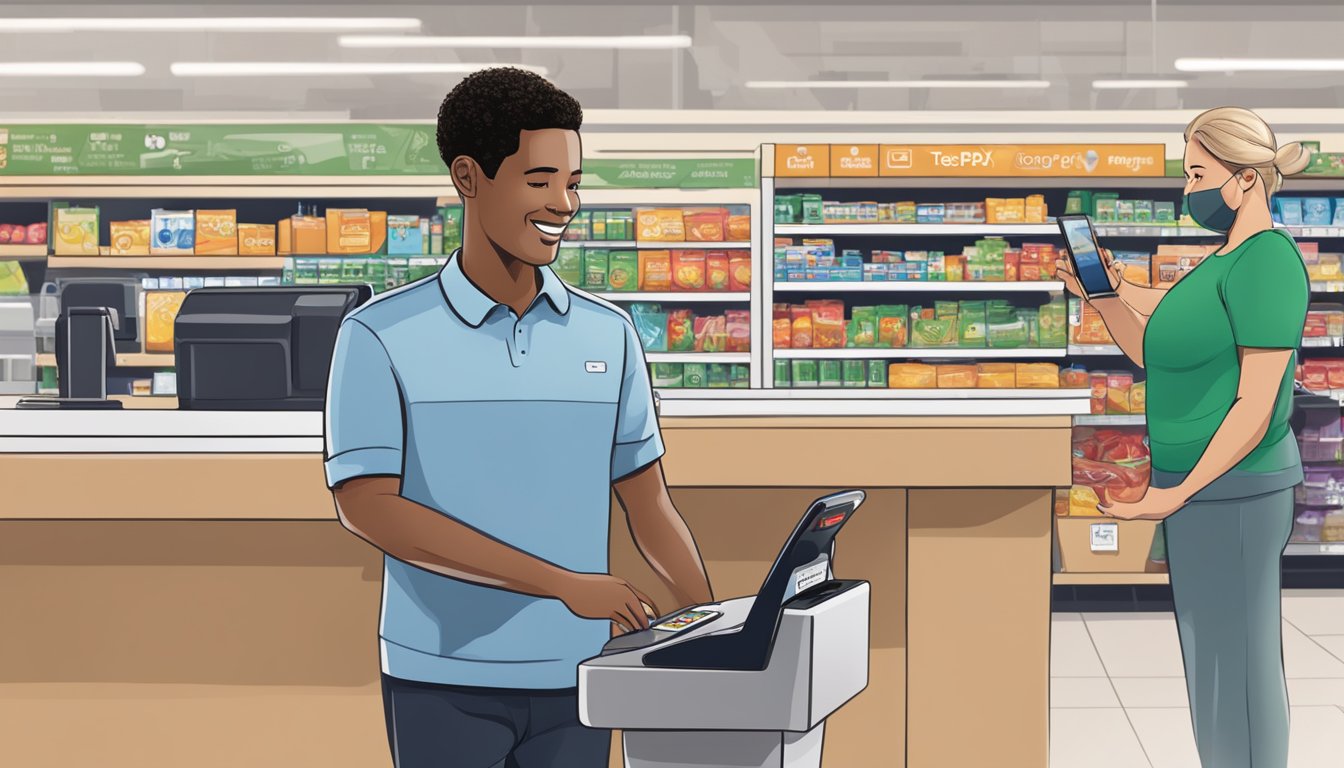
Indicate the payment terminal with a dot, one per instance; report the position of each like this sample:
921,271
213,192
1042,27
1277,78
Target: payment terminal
746,682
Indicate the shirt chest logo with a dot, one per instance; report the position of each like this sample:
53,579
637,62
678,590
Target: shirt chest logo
595,366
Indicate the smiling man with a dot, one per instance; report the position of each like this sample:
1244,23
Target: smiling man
477,422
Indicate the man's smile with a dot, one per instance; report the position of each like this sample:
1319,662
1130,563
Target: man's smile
549,229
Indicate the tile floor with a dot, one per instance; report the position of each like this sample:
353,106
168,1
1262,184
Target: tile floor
1118,699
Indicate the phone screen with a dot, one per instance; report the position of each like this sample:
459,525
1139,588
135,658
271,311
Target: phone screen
1086,256
685,620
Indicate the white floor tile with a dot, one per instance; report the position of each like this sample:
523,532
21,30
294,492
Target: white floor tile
1314,739
1137,644
1071,651
1315,613
1167,736
1082,693
1332,643
1304,658
1093,738
1152,692
1306,692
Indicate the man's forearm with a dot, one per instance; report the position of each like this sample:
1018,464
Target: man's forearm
427,539
669,548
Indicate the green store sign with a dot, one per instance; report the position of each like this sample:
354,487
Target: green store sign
348,149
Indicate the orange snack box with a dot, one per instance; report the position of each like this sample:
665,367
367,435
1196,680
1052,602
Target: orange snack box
1117,393
912,376
256,239
739,229
802,327
1099,386
310,235
130,238
217,233
705,226
739,271
659,225
688,270
349,230
161,308
716,270
1074,378
957,376
655,270
1037,376
284,237
996,376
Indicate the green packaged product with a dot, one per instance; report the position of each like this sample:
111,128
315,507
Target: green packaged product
1164,213
375,273
863,327
1143,211
668,375
452,228
1096,199
421,268
287,274
694,376
971,324
1078,202
933,333
1124,211
329,271
352,270
651,325
812,210
944,310
782,370
1054,323
595,265
788,209
581,226
623,271
599,225
717,376
829,373
856,373
877,373
1007,333
1106,213
739,376
804,373
892,326
569,265
1031,318
990,251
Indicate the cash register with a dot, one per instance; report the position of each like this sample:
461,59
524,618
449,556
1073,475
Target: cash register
747,682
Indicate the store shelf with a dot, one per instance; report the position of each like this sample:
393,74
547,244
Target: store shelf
1151,230
175,263
678,296
1027,185
127,360
910,286
1327,286
698,357
627,244
1110,579
1318,342
1132,420
1326,548
883,353
22,252
1004,230
1096,350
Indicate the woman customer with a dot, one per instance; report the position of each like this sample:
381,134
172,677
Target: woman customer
1219,349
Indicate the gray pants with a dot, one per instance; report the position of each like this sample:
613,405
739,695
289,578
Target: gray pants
1224,556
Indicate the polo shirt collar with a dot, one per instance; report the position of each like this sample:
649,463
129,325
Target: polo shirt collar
474,306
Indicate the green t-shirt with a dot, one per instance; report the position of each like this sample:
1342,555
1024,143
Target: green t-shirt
1253,296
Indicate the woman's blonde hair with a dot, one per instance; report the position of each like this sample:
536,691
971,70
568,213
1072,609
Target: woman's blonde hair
1241,139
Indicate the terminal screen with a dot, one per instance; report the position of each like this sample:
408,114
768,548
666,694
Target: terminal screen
684,620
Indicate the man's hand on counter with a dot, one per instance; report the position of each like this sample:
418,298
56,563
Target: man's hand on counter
601,596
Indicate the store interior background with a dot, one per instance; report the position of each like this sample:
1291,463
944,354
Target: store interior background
725,79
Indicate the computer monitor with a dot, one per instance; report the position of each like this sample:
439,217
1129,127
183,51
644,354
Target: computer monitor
259,349
119,294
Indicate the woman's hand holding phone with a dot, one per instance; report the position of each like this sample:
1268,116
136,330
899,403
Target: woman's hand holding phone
1064,271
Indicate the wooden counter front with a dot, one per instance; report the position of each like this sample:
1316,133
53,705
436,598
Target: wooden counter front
206,609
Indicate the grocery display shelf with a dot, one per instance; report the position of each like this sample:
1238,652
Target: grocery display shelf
1110,579
1006,230
125,360
11,252
184,263
678,246
1319,342
1096,350
677,296
1129,420
1327,286
884,353
876,393
1323,548
1026,184
1151,230
913,286
698,357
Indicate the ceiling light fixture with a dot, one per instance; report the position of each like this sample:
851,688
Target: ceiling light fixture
912,84
225,24
312,68
1260,65
630,42
1105,85
71,69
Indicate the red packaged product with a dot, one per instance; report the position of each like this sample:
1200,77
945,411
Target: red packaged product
711,334
1315,375
739,271
739,330
783,327
6,232
37,234
1335,373
802,327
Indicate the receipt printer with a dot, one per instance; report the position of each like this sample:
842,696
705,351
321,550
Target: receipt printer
748,682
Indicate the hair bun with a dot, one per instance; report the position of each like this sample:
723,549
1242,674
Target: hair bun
1292,158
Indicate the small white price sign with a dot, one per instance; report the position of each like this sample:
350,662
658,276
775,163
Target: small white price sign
1105,537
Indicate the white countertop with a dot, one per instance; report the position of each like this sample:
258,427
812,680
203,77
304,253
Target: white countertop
151,431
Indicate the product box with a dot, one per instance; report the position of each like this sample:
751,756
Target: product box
130,238
173,232
349,231
660,225
668,375
695,376
1316,212
403,236
1106,211
739,271
256,239
1164,213
655,270
1143,211
688,270
1137,268
595,265
1036,210
716,270
1037,375
217,233
912,376
309,235
932,213
813,210
1124,211
996,376
706,225
1290,211
739,228
76,231
623,271
1098,545
804,374
161,308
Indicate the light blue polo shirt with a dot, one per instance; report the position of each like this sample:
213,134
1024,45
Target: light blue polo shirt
514,426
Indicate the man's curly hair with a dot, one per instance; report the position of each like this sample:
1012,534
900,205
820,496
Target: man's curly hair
484,114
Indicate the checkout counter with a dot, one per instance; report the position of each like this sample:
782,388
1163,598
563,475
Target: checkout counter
177,589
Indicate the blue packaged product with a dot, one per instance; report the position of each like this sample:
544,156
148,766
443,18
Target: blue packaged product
1339,212
930,213
852,259
1315,212
1290,211
651,324
847,274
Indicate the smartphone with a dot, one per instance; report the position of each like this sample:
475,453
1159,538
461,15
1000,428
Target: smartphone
1085,255
692,617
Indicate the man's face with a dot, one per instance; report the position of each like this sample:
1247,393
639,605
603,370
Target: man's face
525,209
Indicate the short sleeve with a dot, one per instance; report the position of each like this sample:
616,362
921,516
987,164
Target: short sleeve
638,441
1266,294
364,428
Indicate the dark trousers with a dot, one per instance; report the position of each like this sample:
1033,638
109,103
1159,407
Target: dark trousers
441,726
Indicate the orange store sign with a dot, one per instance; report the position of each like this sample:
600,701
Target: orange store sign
854,159
802,160
1024,160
